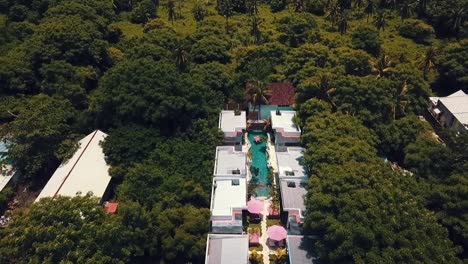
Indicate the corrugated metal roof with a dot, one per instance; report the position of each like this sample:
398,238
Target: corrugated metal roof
85,172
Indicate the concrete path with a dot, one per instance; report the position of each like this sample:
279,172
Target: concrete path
264,237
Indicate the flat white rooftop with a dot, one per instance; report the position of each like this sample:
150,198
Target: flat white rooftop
227,249
292,195
228,194
230,123
229,162
85,172
291,162
284,121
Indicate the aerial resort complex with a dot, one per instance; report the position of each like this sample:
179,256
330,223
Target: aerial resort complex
258,190
233,131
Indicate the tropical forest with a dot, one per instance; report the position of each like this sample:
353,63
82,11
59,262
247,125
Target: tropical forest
386,179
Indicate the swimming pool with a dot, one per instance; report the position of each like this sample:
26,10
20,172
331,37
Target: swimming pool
260,161
265,110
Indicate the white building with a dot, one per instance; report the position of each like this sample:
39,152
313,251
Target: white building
229,162
228,199
286,132
86,172
227,249
291,163
292,201
233,125
451,111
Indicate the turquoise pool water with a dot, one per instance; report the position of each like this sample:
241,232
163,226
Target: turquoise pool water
259,160
265,110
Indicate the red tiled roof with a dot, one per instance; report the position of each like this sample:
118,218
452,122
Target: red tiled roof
281,93
111,207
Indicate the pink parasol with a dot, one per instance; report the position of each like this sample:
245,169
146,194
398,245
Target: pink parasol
255,206
257,139
277,233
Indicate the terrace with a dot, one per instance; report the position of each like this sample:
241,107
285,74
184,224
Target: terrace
291,163
286,132
300,249
230,163
228,199
292,199
227,249
233,125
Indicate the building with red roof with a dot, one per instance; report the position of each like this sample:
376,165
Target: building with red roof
281,94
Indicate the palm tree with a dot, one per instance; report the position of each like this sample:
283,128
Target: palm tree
400,100
406,10
180,8
281,255
258,94
255,23
358,3
252,7
326,90
457,15
171,11
181,57
370,8
343,24
382,66
199,12
225,8
428,61
422,6
334,11
381,20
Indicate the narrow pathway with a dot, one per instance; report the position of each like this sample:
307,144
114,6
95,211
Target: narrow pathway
264,237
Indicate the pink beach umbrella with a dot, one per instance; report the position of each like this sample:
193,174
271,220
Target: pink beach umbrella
277,233
255,206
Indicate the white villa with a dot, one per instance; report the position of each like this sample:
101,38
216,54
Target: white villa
286,132
230,163
228,199
86,172
451,111
227,249
291,163
292,201
233,124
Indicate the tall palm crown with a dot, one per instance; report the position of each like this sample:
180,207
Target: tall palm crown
370,8
382,66
258,94
181,57
428,61
400,100
381,20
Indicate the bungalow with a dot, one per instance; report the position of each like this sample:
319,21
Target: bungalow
227,249
233,125
286,132
228,199
86,172
291,163
229,162
300,249
292,201
451,111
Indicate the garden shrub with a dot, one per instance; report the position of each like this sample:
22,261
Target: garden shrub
417,30
368,39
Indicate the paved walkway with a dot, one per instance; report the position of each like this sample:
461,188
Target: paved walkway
264,237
